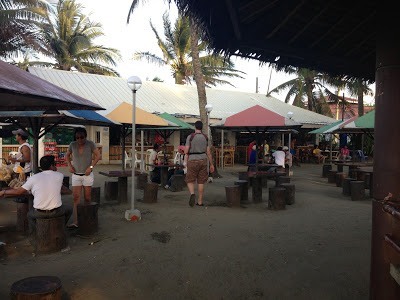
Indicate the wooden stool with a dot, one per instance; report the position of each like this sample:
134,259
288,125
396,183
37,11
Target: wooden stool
50,234
339,168
367,180
244,190
357,190
264,181
96,195
177,182
289,192
332,176
36,288
281,179
111,190
150,192
257,189
346,186
66,181
361,175
244,176
325,169
232,196
339,176
276,200
87,218
352,171
142,179
22,217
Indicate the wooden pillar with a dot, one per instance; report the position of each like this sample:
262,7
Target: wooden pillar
387,131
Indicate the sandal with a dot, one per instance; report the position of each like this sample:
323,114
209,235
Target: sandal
73,225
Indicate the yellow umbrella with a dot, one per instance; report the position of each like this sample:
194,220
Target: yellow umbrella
123,114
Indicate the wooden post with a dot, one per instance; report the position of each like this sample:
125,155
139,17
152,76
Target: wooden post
111,190
22,217
50,234
87,218
232,196
150,192
276,200
96,192
289,193
37,288
244,190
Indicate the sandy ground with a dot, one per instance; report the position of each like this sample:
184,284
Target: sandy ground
318,248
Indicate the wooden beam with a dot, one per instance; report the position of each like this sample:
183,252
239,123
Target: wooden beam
285,20
234,19
255,12
367,38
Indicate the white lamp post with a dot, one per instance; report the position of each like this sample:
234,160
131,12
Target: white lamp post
134,84
208,108
290,116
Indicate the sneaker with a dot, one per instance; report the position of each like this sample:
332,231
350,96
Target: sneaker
192,199
166,187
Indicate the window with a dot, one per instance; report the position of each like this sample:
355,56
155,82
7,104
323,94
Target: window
98,135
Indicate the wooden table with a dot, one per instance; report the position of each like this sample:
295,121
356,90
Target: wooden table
262,166
122,182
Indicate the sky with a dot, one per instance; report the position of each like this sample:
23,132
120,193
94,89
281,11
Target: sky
137,36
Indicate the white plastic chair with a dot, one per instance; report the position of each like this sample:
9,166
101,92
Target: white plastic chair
128,159
137,161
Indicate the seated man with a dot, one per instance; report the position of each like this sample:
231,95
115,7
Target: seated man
344,153
46,188
318,155
155,175
180,166
279,157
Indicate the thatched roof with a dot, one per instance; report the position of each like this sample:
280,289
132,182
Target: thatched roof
336,37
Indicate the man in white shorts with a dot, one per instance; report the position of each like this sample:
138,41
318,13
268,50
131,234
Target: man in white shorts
82,156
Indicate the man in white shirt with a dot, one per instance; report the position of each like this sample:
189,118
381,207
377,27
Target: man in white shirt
46,188
279,157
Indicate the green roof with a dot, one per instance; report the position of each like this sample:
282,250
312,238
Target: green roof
366,121
177,121
325,128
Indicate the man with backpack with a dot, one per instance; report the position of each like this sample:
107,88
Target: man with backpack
197,152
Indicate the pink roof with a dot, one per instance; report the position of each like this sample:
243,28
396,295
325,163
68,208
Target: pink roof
255,116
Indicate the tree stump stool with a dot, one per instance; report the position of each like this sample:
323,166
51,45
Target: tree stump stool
332,176
256,189
66,181
281,179
325,169
22,217
289,192
232,196
36,288
346,186
339,176
243,176
142,179
353,171
264,181
361,175
339,168
150,192
357,190
111,190
276,200
50,234
177,182
244,190
95,197
88,218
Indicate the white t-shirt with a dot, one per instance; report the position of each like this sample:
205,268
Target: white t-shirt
28,165
46,189
152,157
279,158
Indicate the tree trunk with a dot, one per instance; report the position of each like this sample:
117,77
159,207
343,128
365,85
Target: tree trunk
360,103
310,98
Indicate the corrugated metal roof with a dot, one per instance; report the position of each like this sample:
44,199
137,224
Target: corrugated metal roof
173,99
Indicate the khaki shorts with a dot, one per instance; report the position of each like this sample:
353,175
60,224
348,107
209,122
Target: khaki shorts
197,169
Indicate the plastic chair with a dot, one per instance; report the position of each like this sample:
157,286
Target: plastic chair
137,161
128,159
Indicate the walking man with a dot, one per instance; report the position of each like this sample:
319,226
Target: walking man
82,156
197,152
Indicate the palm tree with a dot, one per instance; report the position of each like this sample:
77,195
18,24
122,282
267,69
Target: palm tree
19,26
307,89
360,88
70,35
178,52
